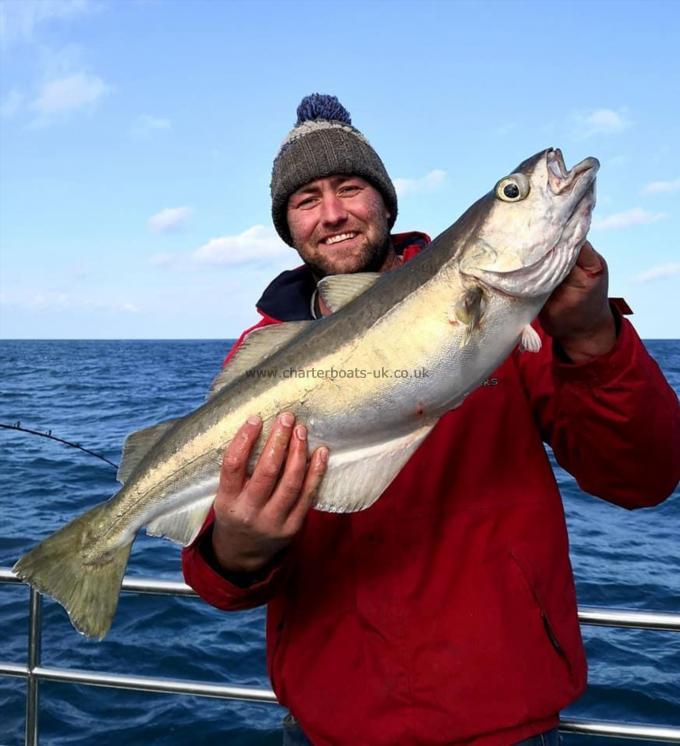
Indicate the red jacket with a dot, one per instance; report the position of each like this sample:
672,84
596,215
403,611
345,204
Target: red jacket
446,612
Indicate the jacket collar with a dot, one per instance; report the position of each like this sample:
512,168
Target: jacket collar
288,296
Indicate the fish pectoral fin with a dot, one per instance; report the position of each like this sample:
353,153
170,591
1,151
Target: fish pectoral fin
137,445
530,340
256,347
87,588
337,291
355,479
182,526
468,310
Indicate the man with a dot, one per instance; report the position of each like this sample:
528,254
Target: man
446,612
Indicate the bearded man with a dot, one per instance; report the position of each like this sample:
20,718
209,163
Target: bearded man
446,612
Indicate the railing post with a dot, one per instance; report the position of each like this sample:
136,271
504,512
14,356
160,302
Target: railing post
32,682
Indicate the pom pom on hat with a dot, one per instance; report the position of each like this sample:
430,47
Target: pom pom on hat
321,106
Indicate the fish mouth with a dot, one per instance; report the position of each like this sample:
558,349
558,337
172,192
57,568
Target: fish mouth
561,180
542,276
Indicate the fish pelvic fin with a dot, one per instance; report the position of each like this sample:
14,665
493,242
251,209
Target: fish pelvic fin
530,340
88,589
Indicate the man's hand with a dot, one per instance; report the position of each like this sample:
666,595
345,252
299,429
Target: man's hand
256,517
577,314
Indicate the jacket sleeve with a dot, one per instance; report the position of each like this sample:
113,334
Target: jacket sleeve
201,571
228,592
612,422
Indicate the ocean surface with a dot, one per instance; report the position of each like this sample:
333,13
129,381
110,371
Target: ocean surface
94,393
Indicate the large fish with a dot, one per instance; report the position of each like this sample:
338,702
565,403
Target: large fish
452,314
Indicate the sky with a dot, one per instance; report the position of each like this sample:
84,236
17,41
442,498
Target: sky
137,139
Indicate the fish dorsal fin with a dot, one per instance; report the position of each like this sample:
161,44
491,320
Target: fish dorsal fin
256,347
137,445
337,291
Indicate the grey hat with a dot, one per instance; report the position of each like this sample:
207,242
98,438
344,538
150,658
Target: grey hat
324,143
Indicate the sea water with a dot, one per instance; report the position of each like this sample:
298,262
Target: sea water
94,393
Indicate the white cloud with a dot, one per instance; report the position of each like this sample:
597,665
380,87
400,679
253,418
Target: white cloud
171,219
254,244
659,187
19,19
636,216
12,103
146,125
425,183
601,122
658,272
62,96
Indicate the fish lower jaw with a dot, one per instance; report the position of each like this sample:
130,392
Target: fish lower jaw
535,281
543,276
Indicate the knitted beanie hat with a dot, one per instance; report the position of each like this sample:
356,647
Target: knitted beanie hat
324,143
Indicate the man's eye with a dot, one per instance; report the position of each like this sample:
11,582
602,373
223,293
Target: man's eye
306,202
349,190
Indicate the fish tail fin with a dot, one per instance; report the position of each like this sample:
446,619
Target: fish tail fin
87,587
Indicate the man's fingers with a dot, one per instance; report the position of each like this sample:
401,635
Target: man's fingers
590,261
292,477
283,481
272,458
589,265
315,473
236,455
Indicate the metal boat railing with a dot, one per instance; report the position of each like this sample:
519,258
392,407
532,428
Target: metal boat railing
34,673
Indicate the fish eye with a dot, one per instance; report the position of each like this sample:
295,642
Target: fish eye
513,188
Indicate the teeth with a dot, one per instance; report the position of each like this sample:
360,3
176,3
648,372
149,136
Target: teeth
339,237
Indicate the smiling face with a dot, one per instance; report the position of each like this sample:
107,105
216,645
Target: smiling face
339,225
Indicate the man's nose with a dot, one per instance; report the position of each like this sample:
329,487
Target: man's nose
332,210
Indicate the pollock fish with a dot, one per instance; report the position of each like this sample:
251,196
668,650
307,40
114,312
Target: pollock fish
454,312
